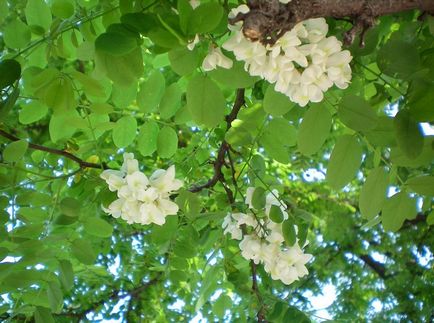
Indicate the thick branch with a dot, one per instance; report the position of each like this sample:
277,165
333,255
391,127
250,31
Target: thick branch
117,295
268,19
224,147
376,266
82,163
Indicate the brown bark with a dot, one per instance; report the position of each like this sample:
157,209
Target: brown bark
268,19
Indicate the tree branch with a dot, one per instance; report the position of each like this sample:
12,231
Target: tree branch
116,295
376,266
269,19
224,147
82,163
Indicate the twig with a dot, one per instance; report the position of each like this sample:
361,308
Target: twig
82,163
224,147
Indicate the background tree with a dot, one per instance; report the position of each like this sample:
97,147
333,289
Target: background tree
84,81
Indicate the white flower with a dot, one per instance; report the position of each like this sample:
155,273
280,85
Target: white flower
317,29
115,208
194,3
113,178
192,44
130,164
216,58
141,200
249,196
263,243
165,180
232,227
302,64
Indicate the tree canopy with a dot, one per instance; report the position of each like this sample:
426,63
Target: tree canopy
167,160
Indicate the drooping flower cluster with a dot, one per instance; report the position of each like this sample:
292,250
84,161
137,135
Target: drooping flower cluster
141,199
265,242
302,64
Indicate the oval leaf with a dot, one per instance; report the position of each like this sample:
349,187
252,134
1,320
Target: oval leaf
396,210
344,161
357,114
124,131
408,134
423,185
205,101
10,71
147,138
167,142
373,193
314,129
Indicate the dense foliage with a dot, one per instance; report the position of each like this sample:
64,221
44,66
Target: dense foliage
84,81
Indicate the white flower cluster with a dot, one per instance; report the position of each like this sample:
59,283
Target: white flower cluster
141,199
264,244
302,64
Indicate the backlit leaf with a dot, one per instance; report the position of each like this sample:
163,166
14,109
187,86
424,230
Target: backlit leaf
344,161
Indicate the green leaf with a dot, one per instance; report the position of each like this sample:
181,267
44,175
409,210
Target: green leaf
223,303
278,135
163,233
398,58
408,134
63,124
356,113
344,161
420,98
63,8
124,131
16,34
288,231
205,101
89,85
205,18
43,315
171,101
277,312
15,151
276,214
167,142
123,70
399,158
116,44
258,198
276,103
38,14
59,94
70,207
4,10
147,138
185,11
10,71
234,78
373,193
151,92
32,112
396,210
423,185
314,129
383,135
98,227
430,218
295,315
183,60
66,274
82,249
55,296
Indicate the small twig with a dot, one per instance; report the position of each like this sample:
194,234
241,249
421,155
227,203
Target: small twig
82,163
224,147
